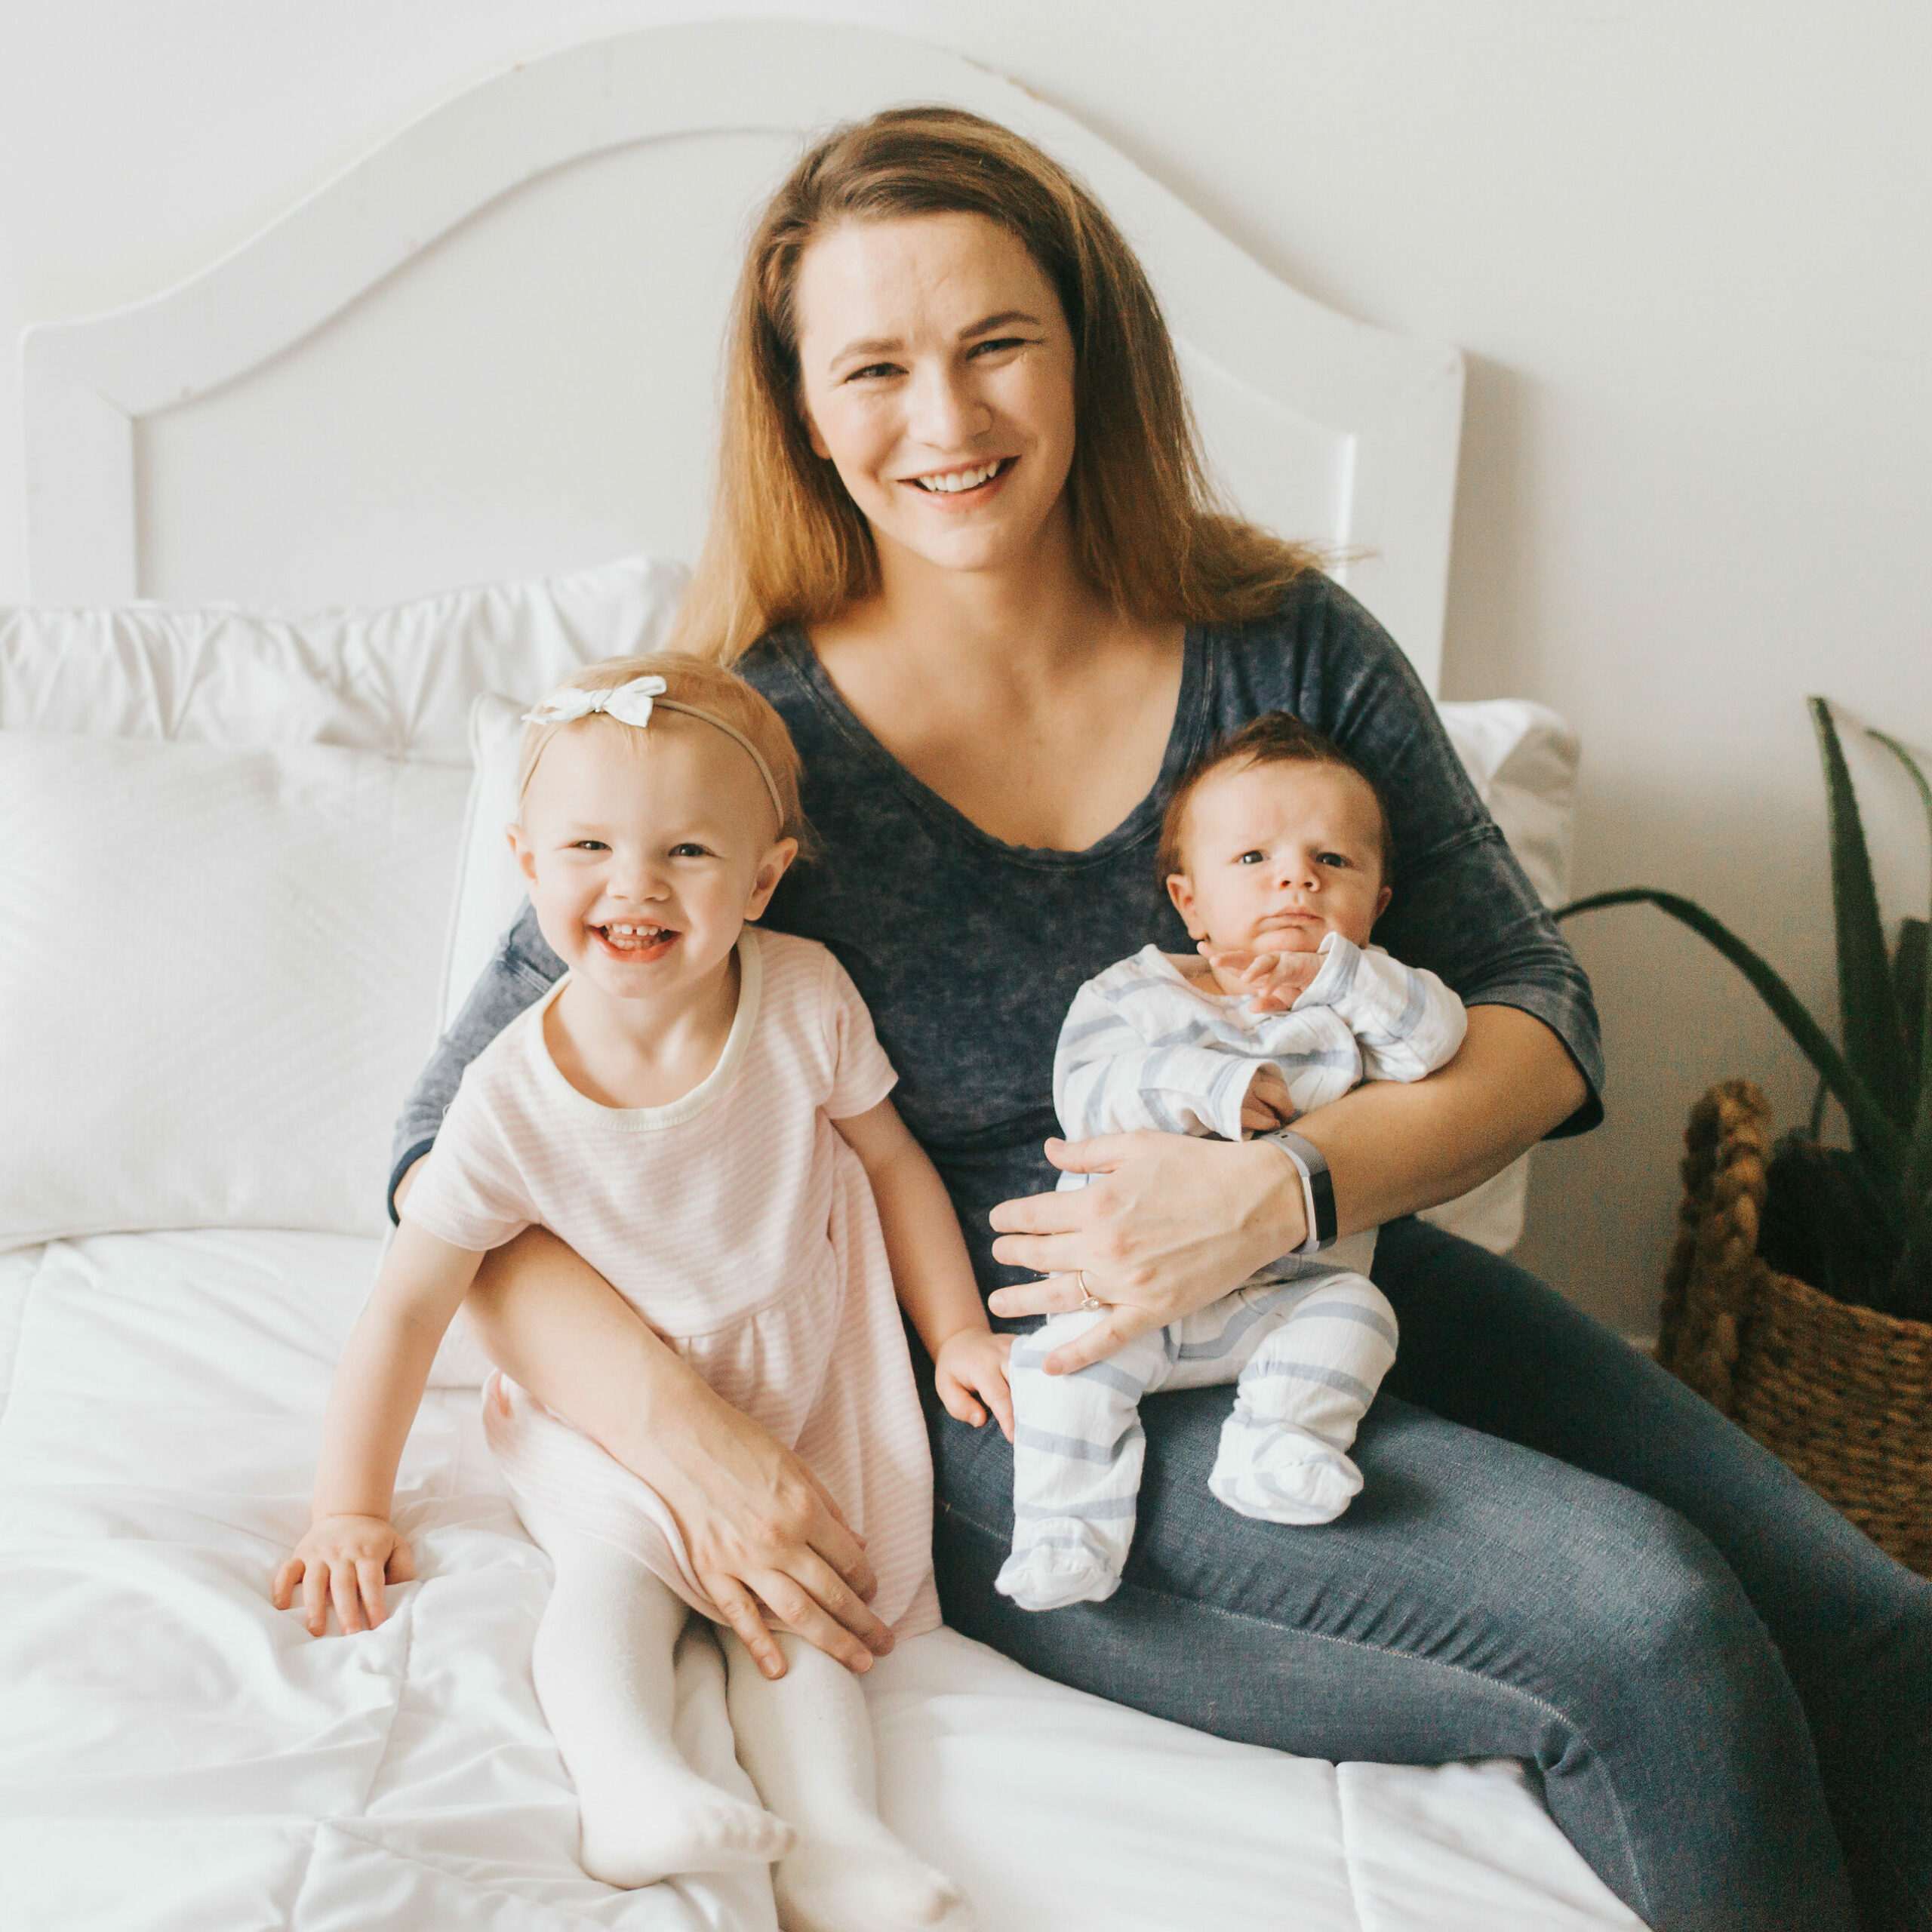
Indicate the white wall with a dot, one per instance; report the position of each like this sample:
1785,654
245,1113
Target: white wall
1683,245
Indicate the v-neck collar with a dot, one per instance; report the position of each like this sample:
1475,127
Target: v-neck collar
1186,741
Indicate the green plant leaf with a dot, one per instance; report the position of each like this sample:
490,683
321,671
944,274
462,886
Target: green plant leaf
1867,1011
1909,989
1918,1167
1874,1132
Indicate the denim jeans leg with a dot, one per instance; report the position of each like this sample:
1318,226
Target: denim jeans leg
1478,1599
1854,1628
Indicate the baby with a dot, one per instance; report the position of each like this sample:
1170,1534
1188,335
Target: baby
697,1107
1276,851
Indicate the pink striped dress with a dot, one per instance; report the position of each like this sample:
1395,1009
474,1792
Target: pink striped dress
738,1224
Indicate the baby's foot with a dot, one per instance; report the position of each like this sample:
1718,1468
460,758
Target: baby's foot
1277,1472
865,1881
663,1827
1072,1568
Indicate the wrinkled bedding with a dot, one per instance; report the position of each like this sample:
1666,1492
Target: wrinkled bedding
176,1756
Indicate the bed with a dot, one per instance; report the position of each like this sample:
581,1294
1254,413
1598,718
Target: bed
246,855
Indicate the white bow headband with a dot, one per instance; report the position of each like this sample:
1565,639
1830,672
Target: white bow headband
632,704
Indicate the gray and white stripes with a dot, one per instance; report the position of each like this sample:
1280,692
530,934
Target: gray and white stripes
1307,1342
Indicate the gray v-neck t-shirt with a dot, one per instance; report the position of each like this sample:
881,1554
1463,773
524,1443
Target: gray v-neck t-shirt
969,951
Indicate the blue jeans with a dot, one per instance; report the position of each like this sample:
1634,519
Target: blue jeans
1559,1554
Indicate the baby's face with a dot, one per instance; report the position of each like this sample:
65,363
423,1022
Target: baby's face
644,860
1278,855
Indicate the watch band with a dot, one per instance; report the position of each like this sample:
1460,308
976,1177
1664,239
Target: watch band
1318,1187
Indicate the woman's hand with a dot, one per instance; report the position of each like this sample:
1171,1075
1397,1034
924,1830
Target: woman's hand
758,1527
347,1560
972,1364
1171,1224
764,1535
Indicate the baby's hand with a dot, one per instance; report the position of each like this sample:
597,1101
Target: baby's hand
973,1363
1276,979
346,1559
1268,1105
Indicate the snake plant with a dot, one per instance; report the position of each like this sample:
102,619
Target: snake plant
1856,1221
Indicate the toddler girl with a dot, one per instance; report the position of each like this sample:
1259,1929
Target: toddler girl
696,1107
1276,851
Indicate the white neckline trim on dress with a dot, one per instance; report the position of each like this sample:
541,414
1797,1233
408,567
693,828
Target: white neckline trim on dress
673,1113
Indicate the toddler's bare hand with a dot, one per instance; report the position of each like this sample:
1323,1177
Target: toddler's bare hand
973,1363
345,1560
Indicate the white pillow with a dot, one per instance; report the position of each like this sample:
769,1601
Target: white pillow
241,1064
217,981
1521,757
489,892
399,681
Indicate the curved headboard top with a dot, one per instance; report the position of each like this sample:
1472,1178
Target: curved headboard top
273,430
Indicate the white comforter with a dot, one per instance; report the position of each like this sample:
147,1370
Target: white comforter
175,1754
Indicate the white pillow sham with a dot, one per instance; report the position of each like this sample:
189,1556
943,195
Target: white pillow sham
220,954
217,980
399,680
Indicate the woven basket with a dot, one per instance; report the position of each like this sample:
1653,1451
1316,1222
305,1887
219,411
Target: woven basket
1842,1395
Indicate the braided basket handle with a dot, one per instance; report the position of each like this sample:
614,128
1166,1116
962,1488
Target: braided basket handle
1716,1273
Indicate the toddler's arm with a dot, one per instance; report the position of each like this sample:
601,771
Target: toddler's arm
1107,1078
931,1270
1405,1020
350,1547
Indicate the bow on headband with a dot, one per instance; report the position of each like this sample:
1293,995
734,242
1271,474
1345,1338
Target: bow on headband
629,704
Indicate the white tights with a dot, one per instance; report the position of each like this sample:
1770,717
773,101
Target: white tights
603,1667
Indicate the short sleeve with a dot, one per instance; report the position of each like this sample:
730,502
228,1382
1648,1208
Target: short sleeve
862,1076
469,1190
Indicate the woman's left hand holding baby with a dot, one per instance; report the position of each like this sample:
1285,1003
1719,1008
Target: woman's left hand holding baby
1168,1224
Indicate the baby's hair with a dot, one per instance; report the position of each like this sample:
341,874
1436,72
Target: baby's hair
704,687
1276,737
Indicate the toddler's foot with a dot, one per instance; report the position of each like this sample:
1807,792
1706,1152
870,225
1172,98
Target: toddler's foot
1071,1568
865,1881
663,1827
1277,1472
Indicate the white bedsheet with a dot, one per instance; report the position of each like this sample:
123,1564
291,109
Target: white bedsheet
176,1756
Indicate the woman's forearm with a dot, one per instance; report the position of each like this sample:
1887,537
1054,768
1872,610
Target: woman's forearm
759,1527
1394,1147
551,1323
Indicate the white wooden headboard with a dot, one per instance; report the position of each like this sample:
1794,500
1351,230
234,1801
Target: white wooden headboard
488,348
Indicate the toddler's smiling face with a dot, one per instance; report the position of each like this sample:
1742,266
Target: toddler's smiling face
645,853
1278,855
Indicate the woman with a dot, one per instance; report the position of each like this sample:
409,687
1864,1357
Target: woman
960,543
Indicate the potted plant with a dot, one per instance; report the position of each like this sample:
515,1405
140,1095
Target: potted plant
1799,1294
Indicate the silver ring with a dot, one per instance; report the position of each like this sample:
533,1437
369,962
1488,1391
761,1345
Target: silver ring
1092,1300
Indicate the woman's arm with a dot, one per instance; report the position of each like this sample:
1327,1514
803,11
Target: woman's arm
1173,1222
757,1525
932,1274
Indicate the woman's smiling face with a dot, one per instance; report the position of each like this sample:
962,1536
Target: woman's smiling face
936,375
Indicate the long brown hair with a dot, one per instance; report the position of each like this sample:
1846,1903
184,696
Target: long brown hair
787,544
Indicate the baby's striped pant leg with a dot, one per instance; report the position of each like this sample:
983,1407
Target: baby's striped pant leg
1283,1454
1078,1448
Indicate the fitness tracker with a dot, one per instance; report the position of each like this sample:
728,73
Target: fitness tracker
1318,1189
